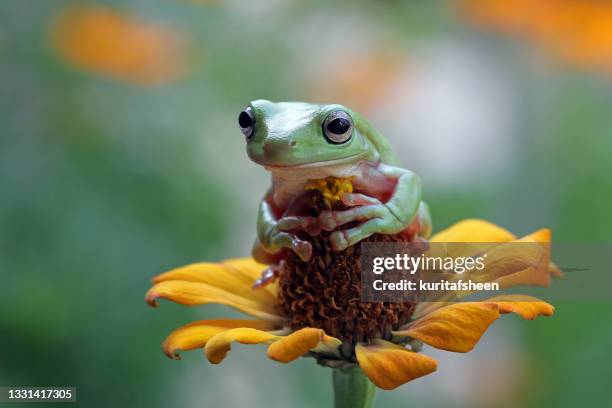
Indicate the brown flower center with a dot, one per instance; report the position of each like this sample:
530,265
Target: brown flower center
326,291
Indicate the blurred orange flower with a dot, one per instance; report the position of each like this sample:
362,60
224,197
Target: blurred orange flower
204,2
509,17
361,81
106,42
579,31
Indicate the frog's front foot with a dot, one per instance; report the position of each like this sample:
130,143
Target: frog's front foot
376,217
283,236
302,248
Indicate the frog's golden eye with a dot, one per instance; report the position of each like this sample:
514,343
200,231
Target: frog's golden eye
246,121
338,127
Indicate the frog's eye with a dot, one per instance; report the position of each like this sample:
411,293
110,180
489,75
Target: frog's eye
246,121
338,127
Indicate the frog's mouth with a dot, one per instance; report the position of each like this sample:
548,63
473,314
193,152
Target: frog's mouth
319,164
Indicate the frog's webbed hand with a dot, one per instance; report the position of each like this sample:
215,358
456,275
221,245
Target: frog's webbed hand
386,218
275,234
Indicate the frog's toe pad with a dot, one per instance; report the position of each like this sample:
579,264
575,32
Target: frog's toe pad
304,250
328,221
338,241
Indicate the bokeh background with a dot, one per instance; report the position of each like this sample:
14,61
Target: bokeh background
120,158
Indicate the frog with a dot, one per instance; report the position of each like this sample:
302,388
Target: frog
298,142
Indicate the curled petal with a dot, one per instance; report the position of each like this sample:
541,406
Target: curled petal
388,365
195,293
299,343
456,327
219,345
554,270
329,346
473,230
525,261
521,262
235,276
196,335
528,307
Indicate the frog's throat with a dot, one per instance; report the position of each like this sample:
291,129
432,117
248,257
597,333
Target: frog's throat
327,163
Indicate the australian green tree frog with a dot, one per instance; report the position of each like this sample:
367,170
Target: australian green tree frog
299,142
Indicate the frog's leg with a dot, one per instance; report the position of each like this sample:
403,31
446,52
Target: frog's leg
274,234
424,218
390,217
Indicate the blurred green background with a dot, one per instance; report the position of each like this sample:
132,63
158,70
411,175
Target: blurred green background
120,158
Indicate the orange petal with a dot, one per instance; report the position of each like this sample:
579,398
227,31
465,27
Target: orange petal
542,235
473,230
456,327
424,308
247,267
196,334
554,270
388,365
195,293
235,276
299,343
219,345
525,261
528,307
251,270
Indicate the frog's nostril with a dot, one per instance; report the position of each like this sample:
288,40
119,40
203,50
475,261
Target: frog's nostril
292,143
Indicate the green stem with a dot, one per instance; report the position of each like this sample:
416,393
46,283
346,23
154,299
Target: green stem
352,389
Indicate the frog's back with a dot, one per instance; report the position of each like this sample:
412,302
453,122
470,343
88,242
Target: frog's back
378,141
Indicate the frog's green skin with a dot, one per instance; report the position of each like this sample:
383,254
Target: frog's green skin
288,140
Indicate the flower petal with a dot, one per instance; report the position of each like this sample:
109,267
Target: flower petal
473,230
219,345
252,270
528,307
456,327
425,308
247,267
554,270
196,335
388,365
299,343
521,262
525,261
235,276
195,293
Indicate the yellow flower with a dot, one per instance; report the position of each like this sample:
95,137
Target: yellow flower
387,363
